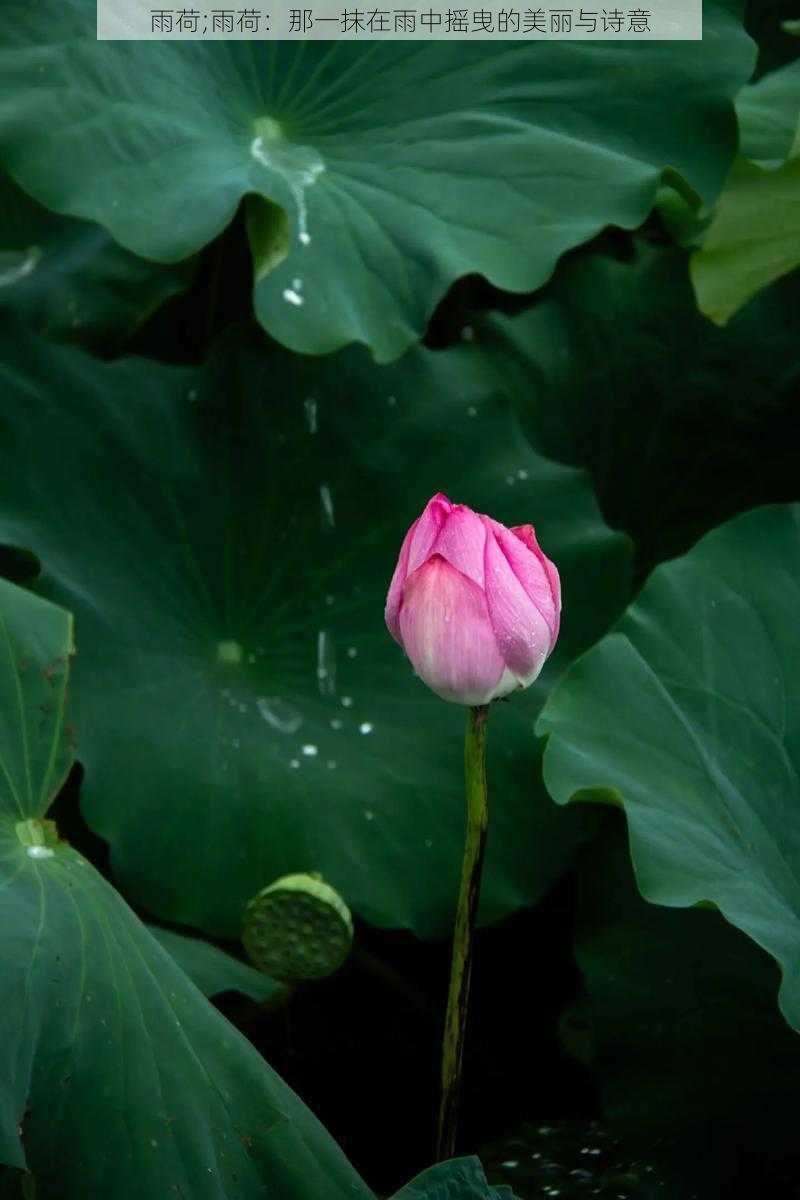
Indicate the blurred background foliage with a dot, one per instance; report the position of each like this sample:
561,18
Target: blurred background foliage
251,316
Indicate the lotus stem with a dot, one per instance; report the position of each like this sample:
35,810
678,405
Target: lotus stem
469,894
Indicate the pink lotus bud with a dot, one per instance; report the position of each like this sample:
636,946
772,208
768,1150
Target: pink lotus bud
475,606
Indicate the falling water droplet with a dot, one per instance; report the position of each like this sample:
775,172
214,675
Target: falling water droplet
336,723
293,297
352,652
365,727
294,763
326,663
300,167
310,406
347,701
17,264
310,750
472,411
326,499
277,713
368,814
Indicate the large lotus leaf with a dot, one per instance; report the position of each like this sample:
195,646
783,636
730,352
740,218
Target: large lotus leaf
377,174
688,715
126,1082
35,738
117,1078
214,971
768,113
70,279
769,116
458,1179
226,537
688,1044
753,239
681,424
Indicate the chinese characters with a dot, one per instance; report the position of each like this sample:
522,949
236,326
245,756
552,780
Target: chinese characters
373,23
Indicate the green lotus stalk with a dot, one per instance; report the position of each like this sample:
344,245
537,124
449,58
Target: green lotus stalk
461,969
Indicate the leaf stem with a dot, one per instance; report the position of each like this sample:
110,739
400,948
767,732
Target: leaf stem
469,893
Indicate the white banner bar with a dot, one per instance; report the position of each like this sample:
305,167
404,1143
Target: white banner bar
329,20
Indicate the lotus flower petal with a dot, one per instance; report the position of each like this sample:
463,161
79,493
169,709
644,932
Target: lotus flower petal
448,635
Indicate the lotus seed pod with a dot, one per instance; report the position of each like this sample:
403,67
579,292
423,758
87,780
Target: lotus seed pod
297,928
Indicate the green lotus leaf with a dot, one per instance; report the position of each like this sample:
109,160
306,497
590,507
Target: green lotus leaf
768,113
753,240
226,542
688,715
457,1179
377,174
680,424
117,1078
214,971
70,280
754,237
